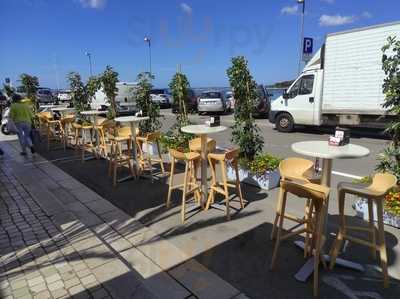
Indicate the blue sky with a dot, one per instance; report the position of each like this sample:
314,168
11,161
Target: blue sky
49,38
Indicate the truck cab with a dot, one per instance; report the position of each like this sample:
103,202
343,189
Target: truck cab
301,102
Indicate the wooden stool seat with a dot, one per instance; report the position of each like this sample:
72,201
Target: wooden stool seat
190,184
230,156
381,185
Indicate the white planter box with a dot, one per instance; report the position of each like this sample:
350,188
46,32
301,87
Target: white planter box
361,207
267,181
152,148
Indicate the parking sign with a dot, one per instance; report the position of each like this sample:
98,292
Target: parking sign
307,48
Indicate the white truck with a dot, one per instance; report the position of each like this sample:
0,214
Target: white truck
125,99
340,85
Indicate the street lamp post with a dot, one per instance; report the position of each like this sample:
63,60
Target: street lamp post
90,63
303,2
148,41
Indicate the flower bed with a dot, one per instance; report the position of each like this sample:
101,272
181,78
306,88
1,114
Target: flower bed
391,213
262,172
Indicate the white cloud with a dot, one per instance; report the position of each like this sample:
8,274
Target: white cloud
366,15
336,20
186,8
96,4
328,1
290,10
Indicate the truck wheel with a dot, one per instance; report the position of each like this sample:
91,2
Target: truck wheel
4,130
284,123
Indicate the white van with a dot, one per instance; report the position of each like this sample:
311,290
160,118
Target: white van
125,98
340,85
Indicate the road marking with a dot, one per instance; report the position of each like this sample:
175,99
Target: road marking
347,175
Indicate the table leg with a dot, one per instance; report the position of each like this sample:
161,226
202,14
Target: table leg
134,154
326,172
204,186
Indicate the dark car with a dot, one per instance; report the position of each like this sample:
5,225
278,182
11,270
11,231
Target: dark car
191,103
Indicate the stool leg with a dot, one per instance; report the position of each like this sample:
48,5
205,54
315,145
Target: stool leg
308,212
342,231
372,226
133,174
185,181
149,161
226,191
278,212
280,227
238,187
382,243
160,157
318,244
210,198
171,177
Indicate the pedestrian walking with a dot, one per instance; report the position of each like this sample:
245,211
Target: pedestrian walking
21,114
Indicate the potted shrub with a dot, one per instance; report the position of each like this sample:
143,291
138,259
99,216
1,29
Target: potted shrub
389,159
256,168
147,108
175,138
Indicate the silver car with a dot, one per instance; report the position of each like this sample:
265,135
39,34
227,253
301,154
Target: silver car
212,101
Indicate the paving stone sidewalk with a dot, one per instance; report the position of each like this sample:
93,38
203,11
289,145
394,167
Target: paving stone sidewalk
59,239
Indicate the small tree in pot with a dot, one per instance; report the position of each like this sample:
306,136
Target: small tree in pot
245,132
175,138
109,80
146,105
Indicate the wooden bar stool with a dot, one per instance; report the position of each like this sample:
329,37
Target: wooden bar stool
66,123
319,195
230,156
120,156
105,130
190,184
381,184
86,141
146,159
53,128
296,169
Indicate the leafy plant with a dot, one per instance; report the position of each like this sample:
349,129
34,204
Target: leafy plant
260,164
175,138
30,85
109,80
392,203
179,86
245,133
146,105
389,159
81,94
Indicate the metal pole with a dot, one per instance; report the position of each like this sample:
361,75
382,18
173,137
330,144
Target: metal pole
90,64
303,2
150,56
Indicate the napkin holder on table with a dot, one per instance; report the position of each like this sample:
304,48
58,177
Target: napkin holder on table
214,121
342,137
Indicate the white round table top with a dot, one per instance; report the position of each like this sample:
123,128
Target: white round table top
131,118
202,129
322,149
62,109
92,112
51,106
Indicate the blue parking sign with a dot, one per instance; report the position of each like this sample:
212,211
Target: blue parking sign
307,48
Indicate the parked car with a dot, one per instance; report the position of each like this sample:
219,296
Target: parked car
212,101
191,103
161,97
125,99
64,96
44,95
